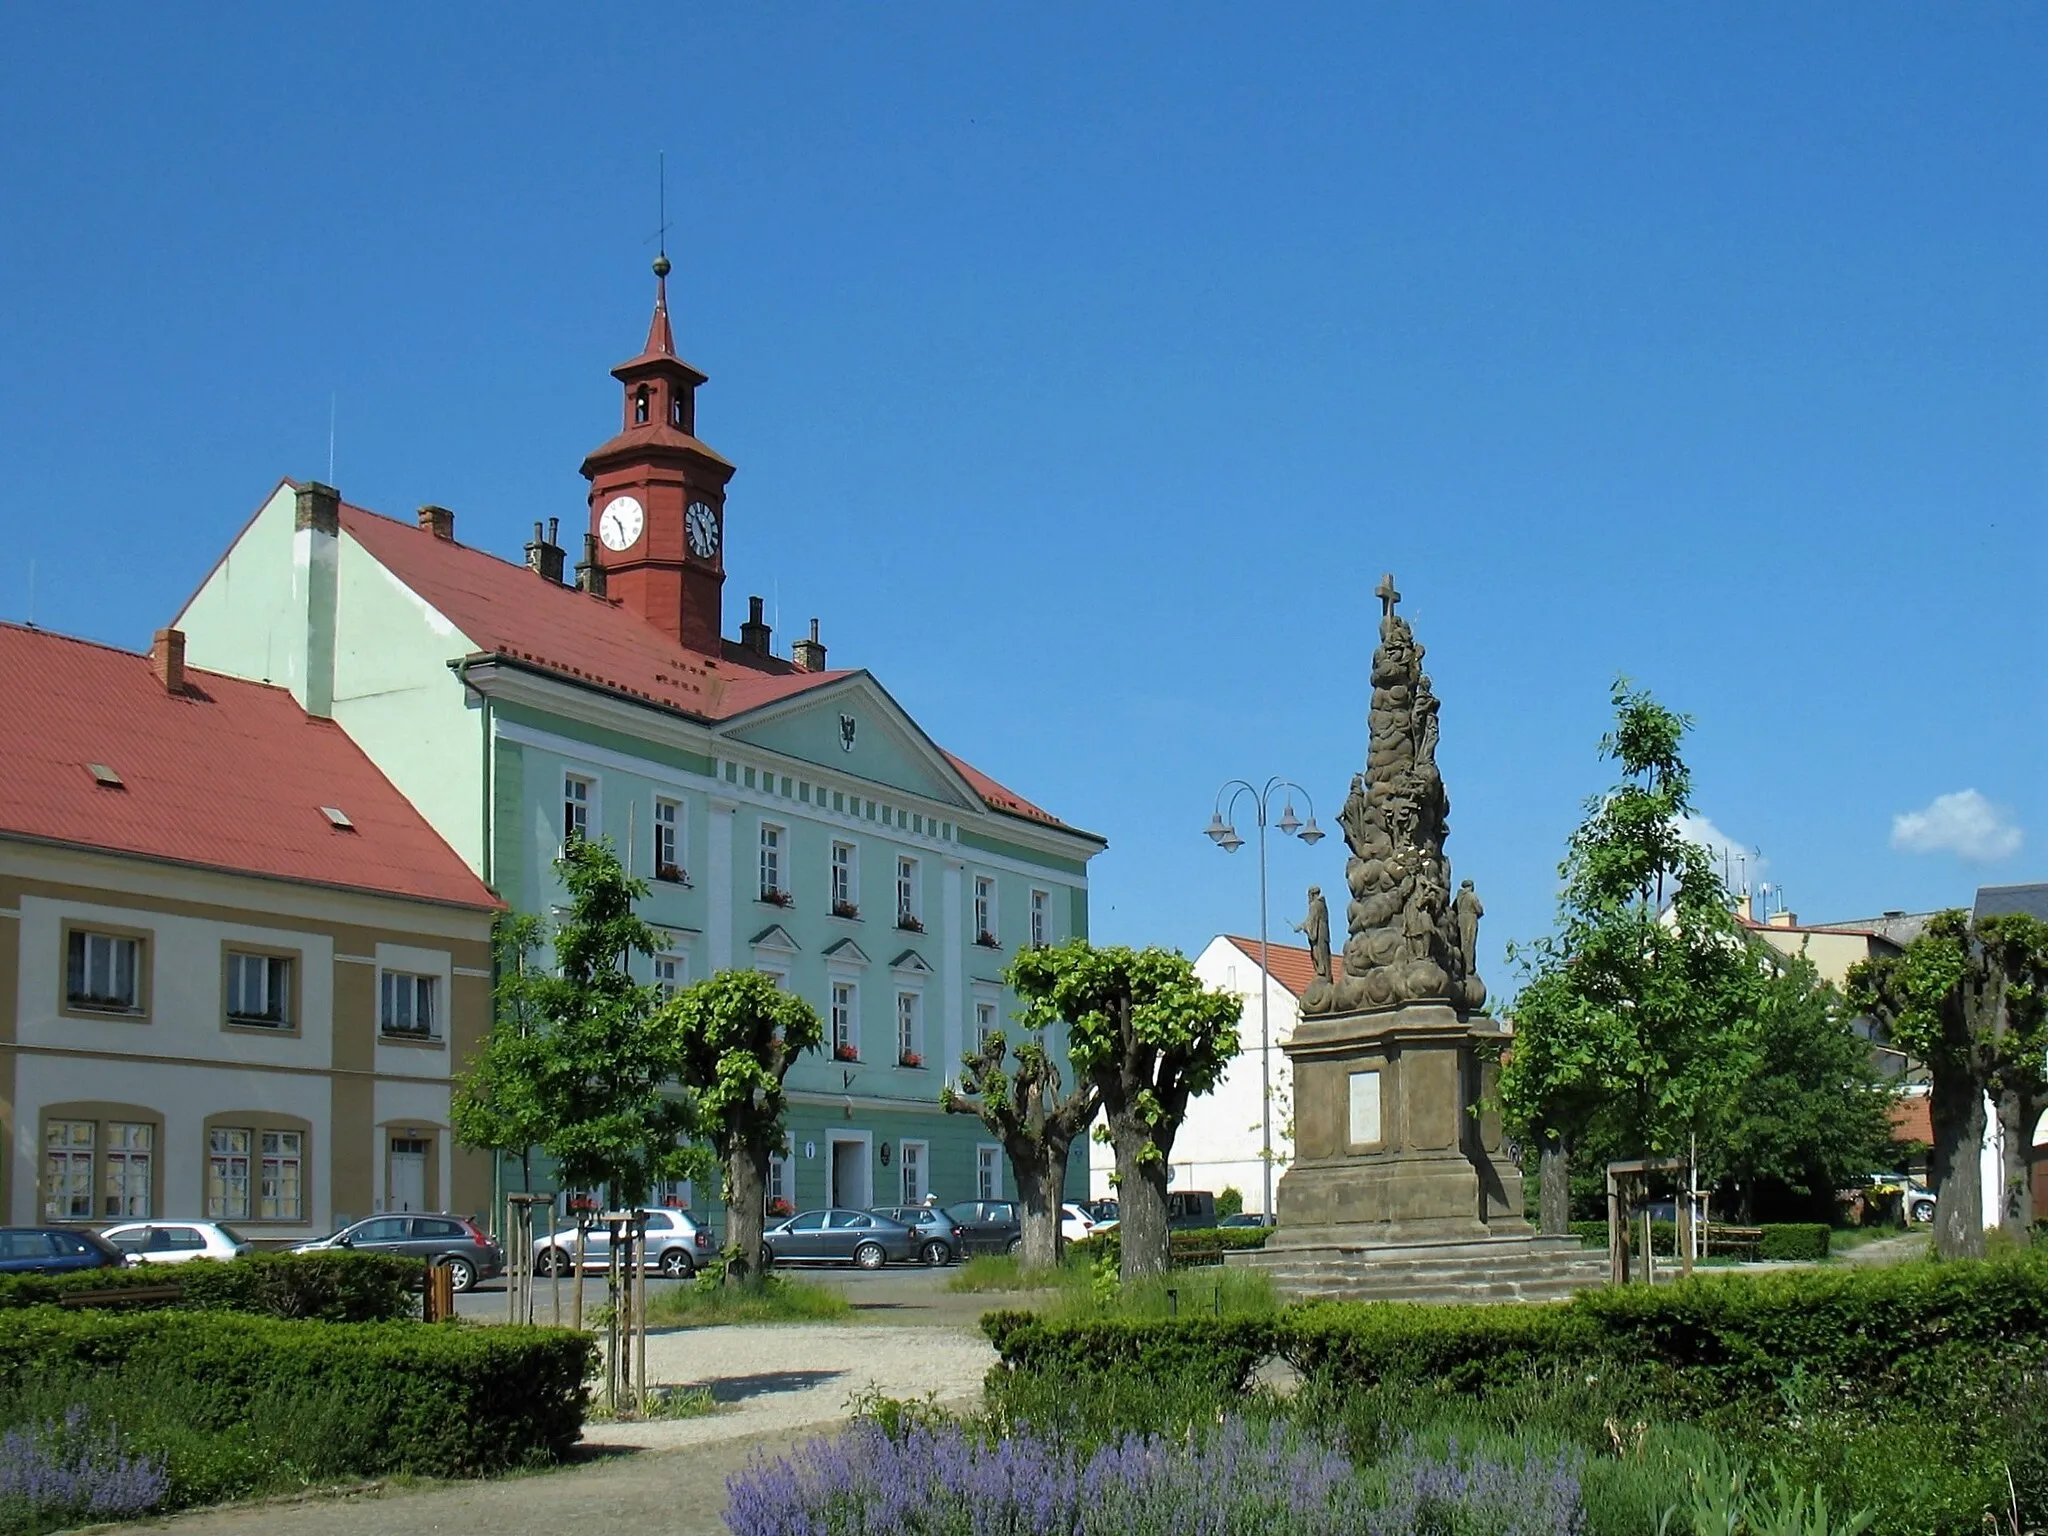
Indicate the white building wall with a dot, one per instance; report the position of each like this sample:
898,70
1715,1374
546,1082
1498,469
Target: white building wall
1221,1142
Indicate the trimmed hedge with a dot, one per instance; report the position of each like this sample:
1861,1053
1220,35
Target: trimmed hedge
1717,1336
336,1287
400,1397
1781,1240
1181,1242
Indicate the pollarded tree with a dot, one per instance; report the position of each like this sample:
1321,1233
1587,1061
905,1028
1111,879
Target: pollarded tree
737,1034
1638,1011
1967,1000
1147,1036
606,1077
1023,1109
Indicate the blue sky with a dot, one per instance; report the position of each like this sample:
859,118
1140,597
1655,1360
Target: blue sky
1085,371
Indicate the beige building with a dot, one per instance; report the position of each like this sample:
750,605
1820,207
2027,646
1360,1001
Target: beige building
237,970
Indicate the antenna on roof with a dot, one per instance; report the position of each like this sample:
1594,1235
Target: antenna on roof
661,203
331,399
31,592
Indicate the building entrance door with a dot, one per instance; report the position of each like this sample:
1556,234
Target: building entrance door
407,1170
850,1174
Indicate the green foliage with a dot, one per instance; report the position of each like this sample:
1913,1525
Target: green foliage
761,1299
1001,1272
324,1287
1184,1244
1639,1010
1810,1240
1229,1200
311,1400
596,1072
1795,1240
498,1105
1212,1291
736,1036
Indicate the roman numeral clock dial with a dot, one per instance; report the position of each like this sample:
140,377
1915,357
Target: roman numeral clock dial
701,525
620,523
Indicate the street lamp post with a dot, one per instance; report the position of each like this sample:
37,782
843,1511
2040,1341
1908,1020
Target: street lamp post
1224,836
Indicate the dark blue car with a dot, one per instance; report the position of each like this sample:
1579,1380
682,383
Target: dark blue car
54,1250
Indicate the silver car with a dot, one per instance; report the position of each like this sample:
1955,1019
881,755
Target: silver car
839,1236
173,1242
940,1236
677,1246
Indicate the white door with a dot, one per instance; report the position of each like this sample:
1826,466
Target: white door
408,1175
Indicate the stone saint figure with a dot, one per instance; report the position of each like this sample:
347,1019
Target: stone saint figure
1316,927
1468,911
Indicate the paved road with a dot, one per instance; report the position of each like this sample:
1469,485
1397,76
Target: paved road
908,1294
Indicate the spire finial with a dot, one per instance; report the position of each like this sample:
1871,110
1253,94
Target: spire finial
659,337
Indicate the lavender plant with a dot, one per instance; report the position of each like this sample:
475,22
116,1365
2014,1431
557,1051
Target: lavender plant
65,1468
943,1481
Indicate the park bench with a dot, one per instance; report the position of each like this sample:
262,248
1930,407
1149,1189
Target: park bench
123,1296
1195,1255
1747,1242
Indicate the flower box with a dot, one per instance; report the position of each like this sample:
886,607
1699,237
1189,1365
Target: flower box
845,1053
845,909
776,898
910,1059
909,922
987,940
673,874
779,1207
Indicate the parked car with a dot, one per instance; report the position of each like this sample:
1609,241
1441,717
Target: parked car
939,1235
173,1242
55,1251
1075,1223
455,1243
988,1226
677,1244
1915,1197
1190,1208
1102,1211
1244,1219
838,1236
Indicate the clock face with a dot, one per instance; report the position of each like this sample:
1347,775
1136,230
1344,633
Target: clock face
702,525
620,523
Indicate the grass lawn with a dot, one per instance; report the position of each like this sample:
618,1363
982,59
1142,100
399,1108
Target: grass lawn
1001,1272
771,1299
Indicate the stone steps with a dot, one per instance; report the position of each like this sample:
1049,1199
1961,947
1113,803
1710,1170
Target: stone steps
1474,1272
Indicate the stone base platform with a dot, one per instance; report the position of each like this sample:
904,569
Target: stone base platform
1329,1266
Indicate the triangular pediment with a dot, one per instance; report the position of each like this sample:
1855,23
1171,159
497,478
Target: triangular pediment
854,727
912,962
846,952
774,936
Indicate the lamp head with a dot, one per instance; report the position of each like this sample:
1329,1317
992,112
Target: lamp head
1218,829
1311,834
1288,822
1230,842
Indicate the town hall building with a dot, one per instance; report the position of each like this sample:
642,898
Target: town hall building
790,817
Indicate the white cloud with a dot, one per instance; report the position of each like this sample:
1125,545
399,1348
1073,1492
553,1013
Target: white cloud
1741,861
1964,823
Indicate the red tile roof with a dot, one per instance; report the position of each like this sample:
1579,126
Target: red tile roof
508,611
230,775
1913,1119
1291,965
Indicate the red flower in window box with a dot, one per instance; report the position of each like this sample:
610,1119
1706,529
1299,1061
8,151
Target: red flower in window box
845,1053
674,874
845,909
908,922
776,898
780,1207
987,940
910,1059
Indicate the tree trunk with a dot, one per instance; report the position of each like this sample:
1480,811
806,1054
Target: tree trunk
747,1177
1956,1109
1554,1186
2017,1114
1040,1181
1141,1203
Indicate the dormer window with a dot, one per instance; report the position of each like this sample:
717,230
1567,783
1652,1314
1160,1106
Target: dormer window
640,406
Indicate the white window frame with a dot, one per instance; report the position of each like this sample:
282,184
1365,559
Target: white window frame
909,890
274,988
579,801
914,1164
229,1172
101,952
988,1171
134,1164
1041,917
280,1175
844,1022
68,1168
671,840
845,866
988,1018
395,985
985,917
774,846
781,1181
671,972
909,1024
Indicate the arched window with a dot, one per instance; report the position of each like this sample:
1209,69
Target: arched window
640,405
675,411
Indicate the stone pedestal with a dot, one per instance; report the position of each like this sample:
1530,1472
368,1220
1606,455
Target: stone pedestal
1387,1146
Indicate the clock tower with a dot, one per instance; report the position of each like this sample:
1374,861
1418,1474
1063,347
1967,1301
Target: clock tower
657,494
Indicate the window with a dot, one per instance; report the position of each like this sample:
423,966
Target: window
67,1162
984,1023
125,1170
259,990
909,1030
227,1174
407,1005
640,406
845,1023
771,865
911,1157
104,972
575,808
280,1197
781,1191
668,842
669,974
1041,918
845,882
988,1173
907,904
985,911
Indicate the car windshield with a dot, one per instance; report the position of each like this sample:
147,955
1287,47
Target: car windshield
963,1213
231,1235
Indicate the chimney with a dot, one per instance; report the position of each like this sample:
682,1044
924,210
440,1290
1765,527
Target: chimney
544,555
589,573
755,634
438,521
1783,919
316,558
167,656
1743,908
809,655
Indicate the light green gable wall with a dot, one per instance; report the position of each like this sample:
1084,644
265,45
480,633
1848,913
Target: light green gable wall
247,620
879,754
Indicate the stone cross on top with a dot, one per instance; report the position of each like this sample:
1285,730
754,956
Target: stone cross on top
1387,595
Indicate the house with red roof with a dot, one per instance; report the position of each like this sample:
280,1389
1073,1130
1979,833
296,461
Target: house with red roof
789,816
240,966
